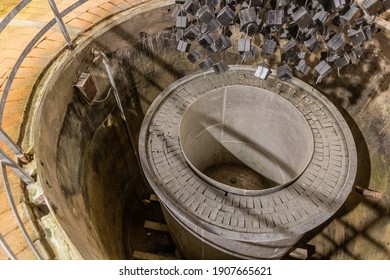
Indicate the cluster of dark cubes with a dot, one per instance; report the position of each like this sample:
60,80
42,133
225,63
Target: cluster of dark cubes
333,29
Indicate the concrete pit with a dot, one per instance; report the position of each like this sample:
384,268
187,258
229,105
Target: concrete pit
293,149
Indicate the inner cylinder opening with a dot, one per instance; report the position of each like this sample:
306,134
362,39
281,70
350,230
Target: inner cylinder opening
245,139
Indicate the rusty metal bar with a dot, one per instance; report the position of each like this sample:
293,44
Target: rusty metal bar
6,248
8,141
61,24
15,210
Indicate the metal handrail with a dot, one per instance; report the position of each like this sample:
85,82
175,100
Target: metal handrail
5,160
13,13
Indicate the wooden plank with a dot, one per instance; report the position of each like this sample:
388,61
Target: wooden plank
299,254
149,256
302,252
155,226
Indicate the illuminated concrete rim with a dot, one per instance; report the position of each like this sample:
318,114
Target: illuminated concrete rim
279,217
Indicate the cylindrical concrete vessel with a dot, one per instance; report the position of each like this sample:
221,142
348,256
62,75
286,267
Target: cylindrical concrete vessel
244,167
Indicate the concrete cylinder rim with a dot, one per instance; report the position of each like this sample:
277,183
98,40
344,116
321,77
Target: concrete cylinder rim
242,191
188,218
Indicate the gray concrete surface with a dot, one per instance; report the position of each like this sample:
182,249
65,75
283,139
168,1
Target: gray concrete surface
247,126
271,222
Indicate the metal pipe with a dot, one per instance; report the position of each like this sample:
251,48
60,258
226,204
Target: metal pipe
6,160
6,248
15,211
61,23
105,61
8,141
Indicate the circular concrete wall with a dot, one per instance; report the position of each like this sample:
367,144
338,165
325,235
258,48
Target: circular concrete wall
245,139
86,161
228,222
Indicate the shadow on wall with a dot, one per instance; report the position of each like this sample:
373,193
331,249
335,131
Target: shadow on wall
360,229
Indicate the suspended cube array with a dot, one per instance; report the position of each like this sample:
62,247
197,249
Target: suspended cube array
333,30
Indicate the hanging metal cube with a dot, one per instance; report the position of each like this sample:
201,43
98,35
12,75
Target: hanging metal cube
244,45
206,14
225,16
183,46
353,57
177,11
351,15
223,43
213,25
191,33
212,3
372,7
269,47
220,67
301,55
193,55
337,42
249,54
291,9
179,34
263,71
247,16
191,7
302,67
322,70
356,36
275,18
342,61
290,50
284,72
338,4
321,17
358,51
181,22
206,64
86,87
312,44
332,58
367,32
253,27
302,18
207,40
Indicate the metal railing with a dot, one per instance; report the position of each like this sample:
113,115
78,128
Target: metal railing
5,159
